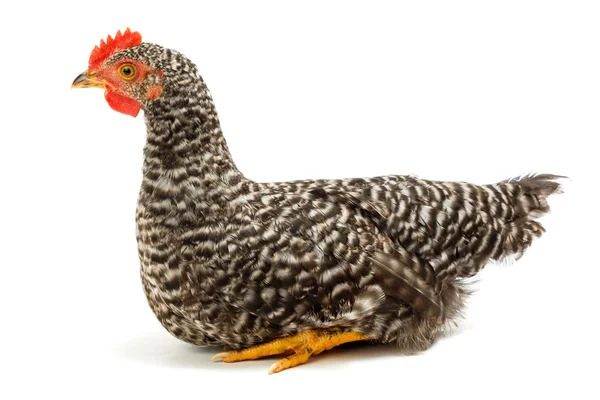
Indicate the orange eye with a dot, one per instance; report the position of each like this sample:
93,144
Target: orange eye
127,71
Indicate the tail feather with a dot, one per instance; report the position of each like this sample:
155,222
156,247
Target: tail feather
530,201
540,184
503,222
535,191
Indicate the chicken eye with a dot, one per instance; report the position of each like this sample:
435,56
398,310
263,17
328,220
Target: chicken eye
127,71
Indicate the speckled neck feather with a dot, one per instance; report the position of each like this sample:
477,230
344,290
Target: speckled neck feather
184,139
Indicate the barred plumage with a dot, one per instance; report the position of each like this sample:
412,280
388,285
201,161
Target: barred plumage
228,261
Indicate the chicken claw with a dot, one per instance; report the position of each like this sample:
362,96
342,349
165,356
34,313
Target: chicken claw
301,346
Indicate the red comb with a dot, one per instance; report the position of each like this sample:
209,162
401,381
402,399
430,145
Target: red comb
121,41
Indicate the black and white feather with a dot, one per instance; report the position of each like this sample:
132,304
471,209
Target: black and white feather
228,261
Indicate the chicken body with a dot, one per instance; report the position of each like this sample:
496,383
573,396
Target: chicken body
228,261
233,262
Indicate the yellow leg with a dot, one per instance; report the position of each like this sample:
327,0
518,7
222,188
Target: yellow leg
302,345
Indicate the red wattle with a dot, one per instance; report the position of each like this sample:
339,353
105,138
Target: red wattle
122,103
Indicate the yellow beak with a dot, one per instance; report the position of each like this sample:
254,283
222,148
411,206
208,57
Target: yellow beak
88,80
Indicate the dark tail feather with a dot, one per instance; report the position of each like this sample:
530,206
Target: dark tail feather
541,184
529,194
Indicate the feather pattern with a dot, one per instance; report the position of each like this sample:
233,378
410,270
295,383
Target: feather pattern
229,261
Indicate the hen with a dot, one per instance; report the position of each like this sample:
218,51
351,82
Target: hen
295,267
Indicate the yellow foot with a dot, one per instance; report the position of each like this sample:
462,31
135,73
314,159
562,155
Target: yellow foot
301,346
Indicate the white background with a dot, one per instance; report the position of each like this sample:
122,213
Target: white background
455,90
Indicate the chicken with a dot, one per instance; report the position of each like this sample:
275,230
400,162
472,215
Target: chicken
295,267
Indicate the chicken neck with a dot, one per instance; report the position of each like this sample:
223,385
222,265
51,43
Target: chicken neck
185,147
